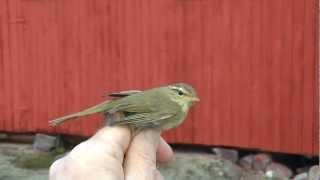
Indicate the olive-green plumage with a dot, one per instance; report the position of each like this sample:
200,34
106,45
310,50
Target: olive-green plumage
163,107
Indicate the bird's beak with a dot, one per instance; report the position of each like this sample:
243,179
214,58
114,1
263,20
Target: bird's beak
195,99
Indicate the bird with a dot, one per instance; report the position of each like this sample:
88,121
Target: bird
161,108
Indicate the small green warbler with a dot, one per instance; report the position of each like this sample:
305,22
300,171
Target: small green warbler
162,108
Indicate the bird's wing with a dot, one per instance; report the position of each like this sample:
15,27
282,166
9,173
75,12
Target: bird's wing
144,119
144,109
138,103
130,107
144,103
124,93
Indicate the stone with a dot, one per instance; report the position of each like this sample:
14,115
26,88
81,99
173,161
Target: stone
189,166
246,162
302,176
314,173
229,154
72,140
253,176
3,136
271,175
302,170
279,170
44,142
20,138
13,149
261,161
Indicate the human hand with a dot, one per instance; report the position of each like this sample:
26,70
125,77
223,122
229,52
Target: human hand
109,154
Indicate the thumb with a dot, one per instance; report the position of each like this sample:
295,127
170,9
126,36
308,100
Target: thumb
140,162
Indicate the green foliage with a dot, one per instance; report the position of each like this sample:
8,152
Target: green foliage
33,161
37,160
57,151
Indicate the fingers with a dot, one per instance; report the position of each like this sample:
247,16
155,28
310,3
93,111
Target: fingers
103,154
164,152
112,141
108,143
140,160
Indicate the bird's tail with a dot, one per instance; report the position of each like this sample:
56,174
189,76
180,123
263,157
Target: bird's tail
92,110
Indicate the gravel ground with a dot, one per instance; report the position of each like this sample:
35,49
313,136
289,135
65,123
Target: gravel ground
8,171
185,166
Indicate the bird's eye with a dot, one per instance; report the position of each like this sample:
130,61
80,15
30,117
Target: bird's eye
177,90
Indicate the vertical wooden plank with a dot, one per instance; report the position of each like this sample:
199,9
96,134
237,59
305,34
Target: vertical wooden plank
286,79
240,88
173,35
131,49
197,70
50,42
144,38
68,35
201,133
309,78
236,60
205,90
297,115
15,20
25,111
56,64
27,70
266,66
190,51
3,5
216,46
4,71
123,45
97,10
41,33
263,112
156,27
225,83
83,59
55,61
255,73
104,14
37,12
273,66
316,149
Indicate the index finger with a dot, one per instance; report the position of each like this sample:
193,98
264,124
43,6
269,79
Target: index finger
102,153
111,141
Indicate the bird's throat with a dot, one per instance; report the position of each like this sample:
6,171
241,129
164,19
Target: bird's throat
184,105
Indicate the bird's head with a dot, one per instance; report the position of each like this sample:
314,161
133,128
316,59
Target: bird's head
183,94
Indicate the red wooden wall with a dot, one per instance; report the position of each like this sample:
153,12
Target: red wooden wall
253,62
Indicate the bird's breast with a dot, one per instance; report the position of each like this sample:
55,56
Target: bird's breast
175,120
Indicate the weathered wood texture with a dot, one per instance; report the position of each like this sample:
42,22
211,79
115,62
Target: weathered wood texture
254,63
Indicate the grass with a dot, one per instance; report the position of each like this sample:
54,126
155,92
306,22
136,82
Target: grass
36,160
